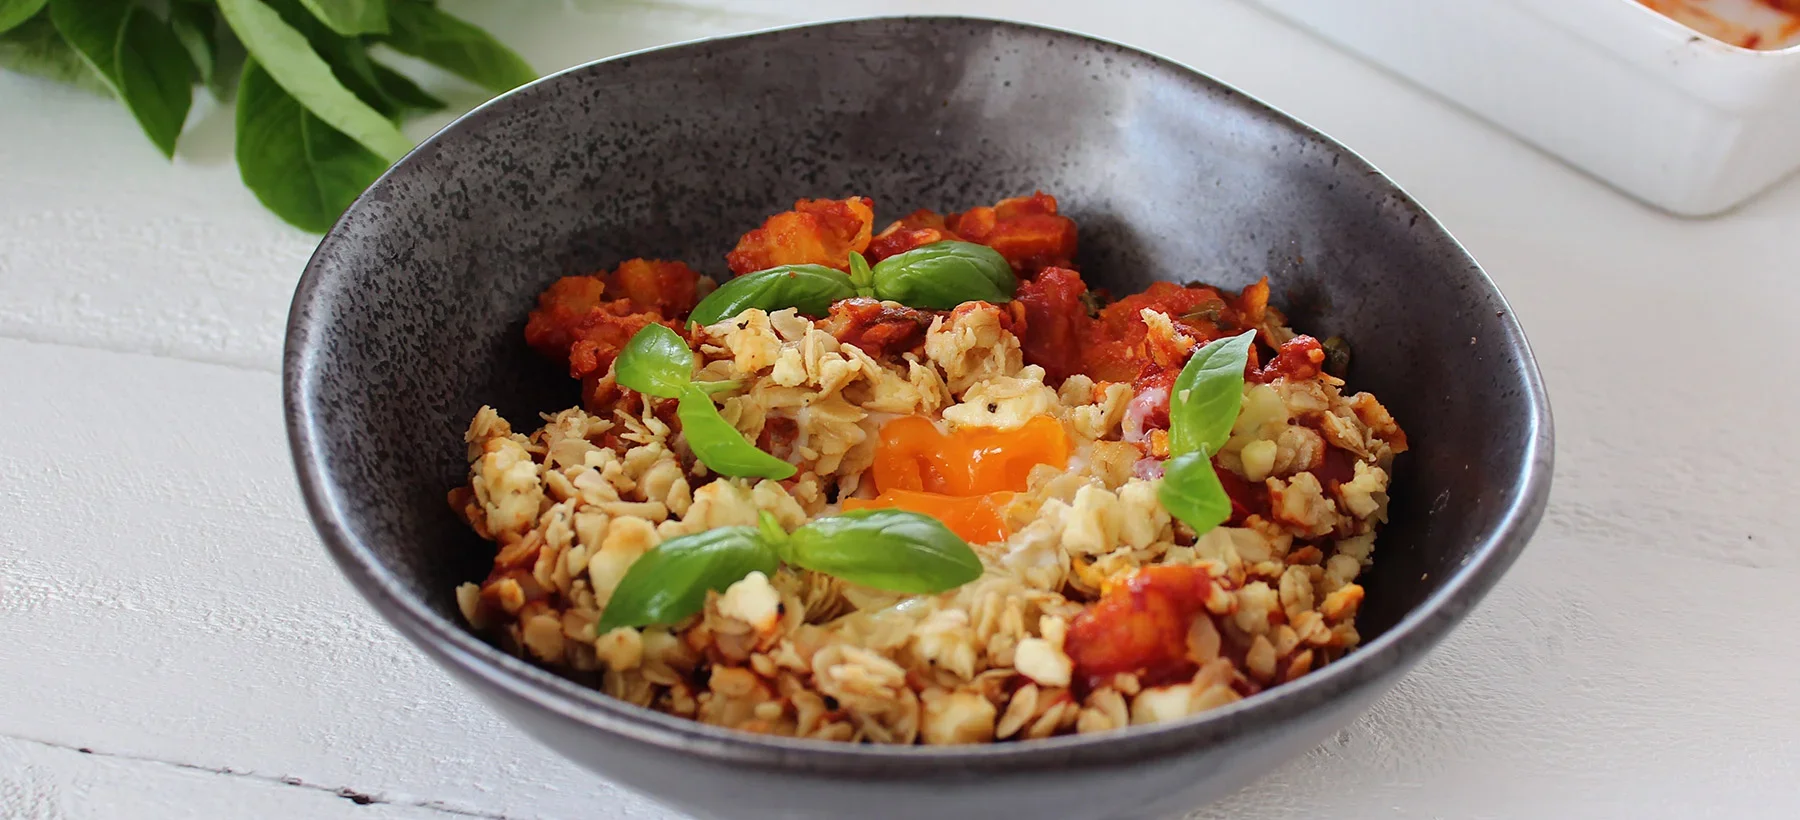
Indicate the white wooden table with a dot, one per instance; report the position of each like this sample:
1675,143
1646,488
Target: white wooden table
174,642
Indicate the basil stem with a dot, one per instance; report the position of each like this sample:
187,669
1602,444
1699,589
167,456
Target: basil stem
811,289
670,582
886,549
1204,402
860,275
772,531
942,275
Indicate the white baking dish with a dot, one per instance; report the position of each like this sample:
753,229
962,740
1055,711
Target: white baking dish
1678,119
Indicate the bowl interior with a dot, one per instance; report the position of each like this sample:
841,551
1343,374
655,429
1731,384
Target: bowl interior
410,316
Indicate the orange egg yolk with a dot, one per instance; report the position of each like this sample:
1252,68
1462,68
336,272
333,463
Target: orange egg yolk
964,478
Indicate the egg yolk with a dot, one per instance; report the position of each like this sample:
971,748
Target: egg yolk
964,478
914,455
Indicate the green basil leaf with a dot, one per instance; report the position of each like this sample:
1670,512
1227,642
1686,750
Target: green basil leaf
1191,491
894,550
297,165
670,582
403,93
656,362
350,63
14,13
719,445
351,17
138,56
383,88
424,32
942,275
283,52
809,288
35,48
194,24
1204,402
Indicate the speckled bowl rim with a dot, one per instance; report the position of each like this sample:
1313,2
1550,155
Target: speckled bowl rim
1400,646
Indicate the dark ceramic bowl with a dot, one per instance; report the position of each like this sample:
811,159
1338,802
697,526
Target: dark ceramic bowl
409,318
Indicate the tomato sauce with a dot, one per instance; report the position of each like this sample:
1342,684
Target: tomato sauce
1141,627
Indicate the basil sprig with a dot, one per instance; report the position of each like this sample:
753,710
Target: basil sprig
317,114
942,275
938,276
893,550
656,362
1203,405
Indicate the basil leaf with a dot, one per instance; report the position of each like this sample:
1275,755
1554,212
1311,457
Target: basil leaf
193,25
1204,402
34,48
942,275
424,32
894,550
13,13
297,165
383,88
138,56
719,445
290,61
809,288
351,17
1191,491
401,92
670,581
656,362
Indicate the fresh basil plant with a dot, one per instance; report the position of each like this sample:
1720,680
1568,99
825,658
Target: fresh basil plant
893,550
1203,405
317,115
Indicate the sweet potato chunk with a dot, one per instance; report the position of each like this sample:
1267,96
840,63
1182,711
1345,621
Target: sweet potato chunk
1026,230
1299,359
584,320
600,337
562,306
879,328
815,232
1056,322
1141,626
669,288
917,229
